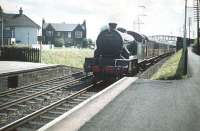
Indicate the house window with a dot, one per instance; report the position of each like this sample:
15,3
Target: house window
49,33
7,28
78,34
69,35
12,34
58,34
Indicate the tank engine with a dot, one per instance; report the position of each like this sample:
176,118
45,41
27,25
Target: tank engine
113,56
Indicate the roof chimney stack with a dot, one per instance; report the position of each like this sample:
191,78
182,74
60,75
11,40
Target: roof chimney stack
20,11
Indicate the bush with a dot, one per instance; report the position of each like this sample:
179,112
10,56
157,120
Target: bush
59,42
85,43
195,49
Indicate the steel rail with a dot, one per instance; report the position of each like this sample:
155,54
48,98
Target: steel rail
34,95
39,83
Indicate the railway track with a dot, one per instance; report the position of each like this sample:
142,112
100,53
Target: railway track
26,104
10,96
42,116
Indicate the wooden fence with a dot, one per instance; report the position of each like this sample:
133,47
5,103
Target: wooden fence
20,54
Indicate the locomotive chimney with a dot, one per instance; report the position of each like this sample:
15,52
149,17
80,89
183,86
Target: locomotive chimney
112,26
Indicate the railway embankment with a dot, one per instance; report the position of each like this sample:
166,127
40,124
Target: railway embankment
172,69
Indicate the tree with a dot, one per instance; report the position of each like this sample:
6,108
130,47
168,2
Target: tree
87,43
59,42
90,43
84,43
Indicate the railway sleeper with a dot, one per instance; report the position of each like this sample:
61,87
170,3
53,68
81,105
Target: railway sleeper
72,102
31,102
22,93
56,112
68,106
4,100
51,93
12,110
38,99
82,97
14,96
24,129
37,89
58,91
29,91
47,117
22,105
88,94
50,114
43,86
79,100
34,124
61,108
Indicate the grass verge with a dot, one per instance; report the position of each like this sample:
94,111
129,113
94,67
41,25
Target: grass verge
195,49
67,56
171,69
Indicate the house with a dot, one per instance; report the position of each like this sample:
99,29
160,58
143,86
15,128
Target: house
64,34
18,28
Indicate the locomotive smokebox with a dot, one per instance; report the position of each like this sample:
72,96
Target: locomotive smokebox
112,26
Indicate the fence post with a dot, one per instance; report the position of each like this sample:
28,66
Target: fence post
30,52
38,54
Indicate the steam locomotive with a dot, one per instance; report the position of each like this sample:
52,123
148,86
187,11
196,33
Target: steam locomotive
118,52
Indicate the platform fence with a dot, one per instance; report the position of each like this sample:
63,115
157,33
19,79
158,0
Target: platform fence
25,54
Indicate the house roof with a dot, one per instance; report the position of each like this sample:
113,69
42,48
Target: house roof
62,26
19,20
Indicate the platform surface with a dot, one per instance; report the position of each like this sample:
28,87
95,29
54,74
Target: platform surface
15,66
154,105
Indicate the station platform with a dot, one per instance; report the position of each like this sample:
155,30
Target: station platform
16,66
134,104
14,74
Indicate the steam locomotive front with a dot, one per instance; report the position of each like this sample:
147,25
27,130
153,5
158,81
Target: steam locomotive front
109,43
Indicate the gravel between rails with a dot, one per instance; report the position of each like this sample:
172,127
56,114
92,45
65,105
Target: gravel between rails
24,108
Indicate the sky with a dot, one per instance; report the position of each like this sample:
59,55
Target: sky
157,17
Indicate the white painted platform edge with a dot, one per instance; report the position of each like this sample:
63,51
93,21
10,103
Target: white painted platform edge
79,115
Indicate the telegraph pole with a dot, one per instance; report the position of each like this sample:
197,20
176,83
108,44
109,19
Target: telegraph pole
1,12
189,28
184,42
138,23
196,13
198,25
